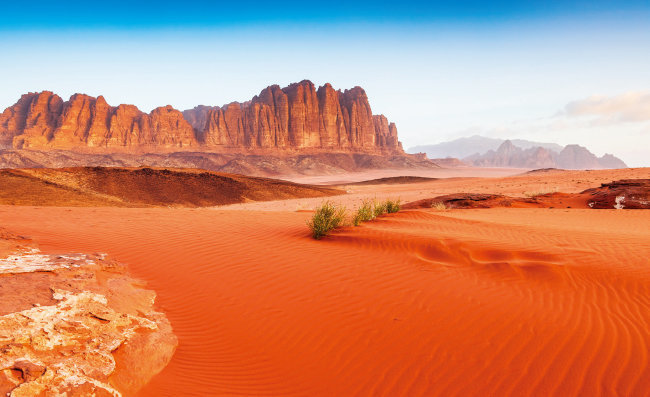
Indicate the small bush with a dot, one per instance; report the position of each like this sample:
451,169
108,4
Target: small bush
379,208
370,210
364,213
439,206
326,218
392,206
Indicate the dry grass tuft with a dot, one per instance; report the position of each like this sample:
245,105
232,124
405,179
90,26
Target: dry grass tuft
379,208
326,218
393,206
439,206
364,213
330,216
370,210
541,192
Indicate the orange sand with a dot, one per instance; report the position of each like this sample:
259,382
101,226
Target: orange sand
463,302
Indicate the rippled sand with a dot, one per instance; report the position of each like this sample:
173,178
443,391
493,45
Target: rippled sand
503,302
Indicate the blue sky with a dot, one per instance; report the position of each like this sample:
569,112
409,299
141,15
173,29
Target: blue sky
439,70
162,13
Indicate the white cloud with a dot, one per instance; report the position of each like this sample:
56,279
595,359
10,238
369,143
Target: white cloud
627,107
616,124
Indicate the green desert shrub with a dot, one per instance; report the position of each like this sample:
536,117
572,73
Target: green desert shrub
370,210
327,217
379,208
392,206
364,213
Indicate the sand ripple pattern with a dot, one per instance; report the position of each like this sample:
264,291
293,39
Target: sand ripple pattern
417,303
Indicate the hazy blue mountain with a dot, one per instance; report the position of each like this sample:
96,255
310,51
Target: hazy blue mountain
464,147
570,157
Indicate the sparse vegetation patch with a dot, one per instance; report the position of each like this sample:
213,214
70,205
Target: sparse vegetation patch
326,218
370,210
364,213
379,208
540,192
439,206
393,206
330,216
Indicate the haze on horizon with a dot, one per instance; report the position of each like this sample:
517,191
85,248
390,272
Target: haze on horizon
565,72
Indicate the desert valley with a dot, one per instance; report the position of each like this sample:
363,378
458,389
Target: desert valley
344,199
158,280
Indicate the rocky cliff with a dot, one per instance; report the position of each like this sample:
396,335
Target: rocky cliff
293,118
570,157
75,325
297,116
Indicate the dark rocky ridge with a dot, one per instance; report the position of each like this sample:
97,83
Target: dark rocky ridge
143,187
626,193
259,164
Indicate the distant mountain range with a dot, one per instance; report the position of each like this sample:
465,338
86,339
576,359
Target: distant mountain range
468,146
490,152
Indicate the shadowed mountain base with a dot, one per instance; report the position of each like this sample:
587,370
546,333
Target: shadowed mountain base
307,162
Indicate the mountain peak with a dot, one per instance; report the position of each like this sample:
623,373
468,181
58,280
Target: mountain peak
506,145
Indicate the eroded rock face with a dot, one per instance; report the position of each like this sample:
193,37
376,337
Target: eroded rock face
44,121
623,194
75,325
295,117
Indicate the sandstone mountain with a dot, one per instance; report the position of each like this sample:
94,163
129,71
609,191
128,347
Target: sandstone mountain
570,157
291,119
297,116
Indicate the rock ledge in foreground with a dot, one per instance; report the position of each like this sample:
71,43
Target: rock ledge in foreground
77,325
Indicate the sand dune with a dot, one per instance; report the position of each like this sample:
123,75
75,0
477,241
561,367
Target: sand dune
143,187
503,302
500,301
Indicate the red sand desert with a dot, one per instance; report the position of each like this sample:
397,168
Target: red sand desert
501,301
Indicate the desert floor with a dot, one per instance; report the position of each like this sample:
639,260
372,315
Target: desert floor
423,302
